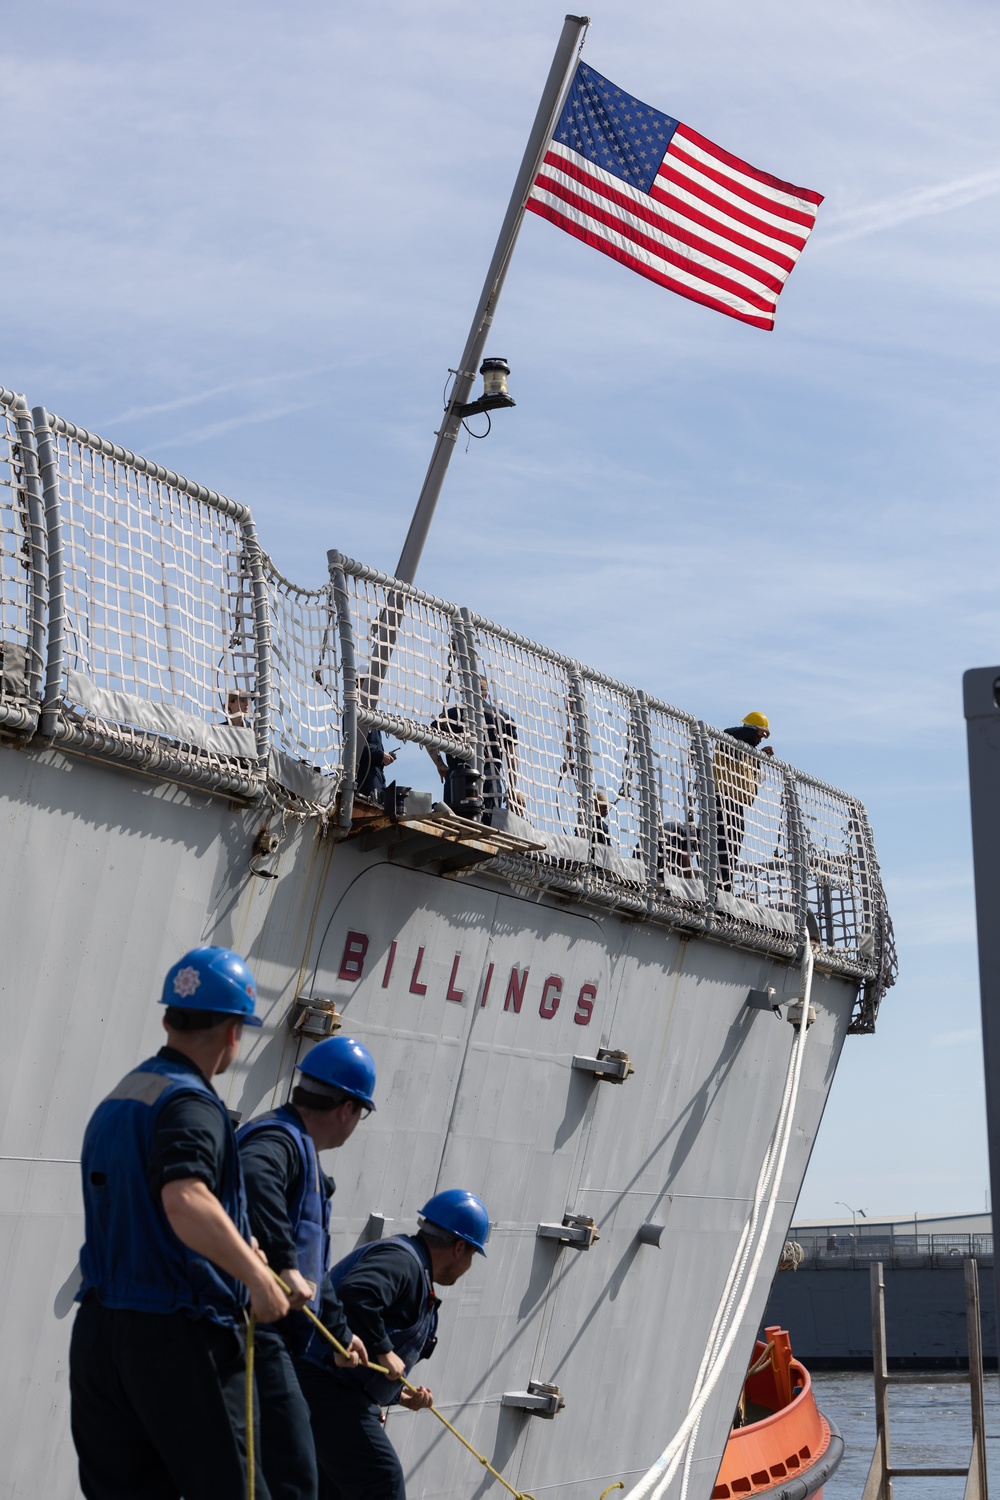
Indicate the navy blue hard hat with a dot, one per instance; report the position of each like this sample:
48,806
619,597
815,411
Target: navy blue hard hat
342,1063
462,1214
212,979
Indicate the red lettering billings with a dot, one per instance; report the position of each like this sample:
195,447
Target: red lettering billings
515,990
453,993
416,988
352,965
353,962
551,988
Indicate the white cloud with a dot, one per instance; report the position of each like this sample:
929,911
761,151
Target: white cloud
966,1038
942,198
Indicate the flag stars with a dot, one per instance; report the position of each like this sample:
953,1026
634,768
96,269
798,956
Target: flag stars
622,135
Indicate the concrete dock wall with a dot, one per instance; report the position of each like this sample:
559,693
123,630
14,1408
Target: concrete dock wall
828,1314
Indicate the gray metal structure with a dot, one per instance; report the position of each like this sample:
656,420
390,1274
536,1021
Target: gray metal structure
570,41
981,697
883,1472
825,1304
173,722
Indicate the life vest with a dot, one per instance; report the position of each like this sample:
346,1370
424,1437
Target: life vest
311,1212
131,1257
411,1344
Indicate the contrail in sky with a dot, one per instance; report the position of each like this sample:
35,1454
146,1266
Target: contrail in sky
194,398
917,204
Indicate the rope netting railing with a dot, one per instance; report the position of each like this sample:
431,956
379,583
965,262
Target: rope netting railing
683,840
619,756
530,760
409,661
307,703
152,608
22,568
754,866
844,892
140,620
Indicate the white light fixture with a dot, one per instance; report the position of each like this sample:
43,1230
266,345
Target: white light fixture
494,373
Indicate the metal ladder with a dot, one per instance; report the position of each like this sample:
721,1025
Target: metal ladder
878,1485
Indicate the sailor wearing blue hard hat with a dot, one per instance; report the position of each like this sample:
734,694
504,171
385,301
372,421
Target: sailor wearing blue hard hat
168,1264
386,1290
288,1196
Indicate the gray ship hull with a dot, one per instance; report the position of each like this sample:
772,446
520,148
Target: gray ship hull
109,875
188,744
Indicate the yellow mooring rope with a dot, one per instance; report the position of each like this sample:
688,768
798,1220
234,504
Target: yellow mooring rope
248,1412
379,1370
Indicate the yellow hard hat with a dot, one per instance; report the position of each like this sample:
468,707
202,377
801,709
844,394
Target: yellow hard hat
758,721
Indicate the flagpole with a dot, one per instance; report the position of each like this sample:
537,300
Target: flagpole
573,32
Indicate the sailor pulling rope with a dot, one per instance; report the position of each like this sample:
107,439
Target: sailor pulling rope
378,1370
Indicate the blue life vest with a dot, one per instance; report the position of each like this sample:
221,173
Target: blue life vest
411,1344
131,1257
311,1213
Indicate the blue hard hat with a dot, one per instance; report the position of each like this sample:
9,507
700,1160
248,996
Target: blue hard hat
212,979
342,1063
462,1214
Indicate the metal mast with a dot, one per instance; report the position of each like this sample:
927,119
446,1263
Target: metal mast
982,712
573,32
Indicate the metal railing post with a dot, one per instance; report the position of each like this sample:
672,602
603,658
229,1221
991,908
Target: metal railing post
262,646
976,1484
798,851
37,550
348,664
584,763
708,837
650,809
878,1485
465,637
48,466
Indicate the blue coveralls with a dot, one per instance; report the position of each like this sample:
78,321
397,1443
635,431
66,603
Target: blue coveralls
356,1459
288,1456
157,1357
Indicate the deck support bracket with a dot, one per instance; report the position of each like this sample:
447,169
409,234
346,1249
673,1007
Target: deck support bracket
539,1400
607,1066
578,1230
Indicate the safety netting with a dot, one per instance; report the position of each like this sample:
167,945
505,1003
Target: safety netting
18,576
306,698
844,900
530,735
754,874
681,833
174,641
619,784
408,659
159,619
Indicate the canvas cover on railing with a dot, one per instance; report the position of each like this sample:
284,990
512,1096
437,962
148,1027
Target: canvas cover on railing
141,621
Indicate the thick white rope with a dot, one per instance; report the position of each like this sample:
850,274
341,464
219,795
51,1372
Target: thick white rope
733,1304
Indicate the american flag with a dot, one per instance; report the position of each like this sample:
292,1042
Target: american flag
659,197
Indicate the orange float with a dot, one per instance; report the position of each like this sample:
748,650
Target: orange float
784,1447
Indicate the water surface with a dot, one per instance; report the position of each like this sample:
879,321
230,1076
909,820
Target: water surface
929,1425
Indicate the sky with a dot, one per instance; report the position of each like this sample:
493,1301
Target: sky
247,241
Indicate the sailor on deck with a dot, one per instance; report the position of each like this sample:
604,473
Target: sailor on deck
157,1358
737,782
289,1201
387,1292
